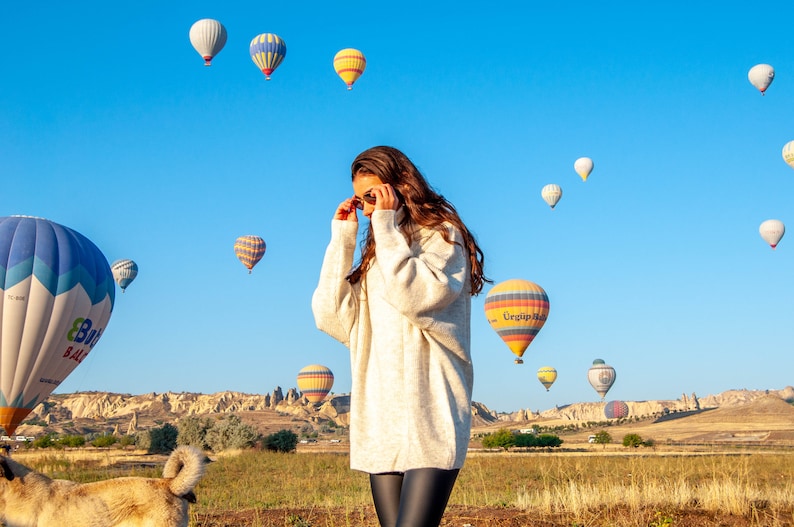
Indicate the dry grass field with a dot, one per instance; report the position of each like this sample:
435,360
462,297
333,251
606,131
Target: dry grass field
729,467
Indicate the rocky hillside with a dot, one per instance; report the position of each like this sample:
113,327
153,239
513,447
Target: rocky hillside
102,412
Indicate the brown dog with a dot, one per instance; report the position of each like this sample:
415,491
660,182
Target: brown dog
31,499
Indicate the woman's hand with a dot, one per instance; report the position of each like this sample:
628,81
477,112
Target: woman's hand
346,210
385,197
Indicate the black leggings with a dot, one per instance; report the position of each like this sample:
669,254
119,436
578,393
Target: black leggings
415,498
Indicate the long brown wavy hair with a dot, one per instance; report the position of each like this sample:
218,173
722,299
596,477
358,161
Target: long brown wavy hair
423,206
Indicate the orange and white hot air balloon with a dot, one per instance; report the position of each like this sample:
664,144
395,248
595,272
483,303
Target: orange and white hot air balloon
349,64
517,310
315,381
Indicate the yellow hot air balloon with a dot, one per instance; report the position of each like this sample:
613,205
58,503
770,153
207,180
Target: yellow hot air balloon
517,310
349,64
315,381
547,375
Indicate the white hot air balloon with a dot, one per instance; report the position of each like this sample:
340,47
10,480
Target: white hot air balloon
551,194
772,231
208,37
124,272
761,76
788,153
583,167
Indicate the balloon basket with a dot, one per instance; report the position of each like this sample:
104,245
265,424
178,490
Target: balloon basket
518,361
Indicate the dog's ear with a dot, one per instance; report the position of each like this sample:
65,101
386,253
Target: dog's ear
6,470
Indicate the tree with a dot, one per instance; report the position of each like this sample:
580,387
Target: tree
602,437
632,440
104,440
193,431
158,440
281,441
502,438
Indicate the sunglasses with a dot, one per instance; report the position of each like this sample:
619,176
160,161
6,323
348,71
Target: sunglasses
368,197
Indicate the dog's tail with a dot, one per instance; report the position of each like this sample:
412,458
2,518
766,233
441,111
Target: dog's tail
185,467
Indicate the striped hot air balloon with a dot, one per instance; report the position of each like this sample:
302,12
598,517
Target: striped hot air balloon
551,194
56,298
517,310
616,410
315,381
208,37
249,250
547,375
124,272
349,64
267,51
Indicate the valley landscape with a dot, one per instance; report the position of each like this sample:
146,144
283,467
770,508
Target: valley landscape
720,460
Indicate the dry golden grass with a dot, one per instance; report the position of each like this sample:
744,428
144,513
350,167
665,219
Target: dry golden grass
495,489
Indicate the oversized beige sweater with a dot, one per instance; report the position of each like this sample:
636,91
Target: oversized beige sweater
407,325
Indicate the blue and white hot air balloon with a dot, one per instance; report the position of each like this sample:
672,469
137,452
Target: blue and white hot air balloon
56,298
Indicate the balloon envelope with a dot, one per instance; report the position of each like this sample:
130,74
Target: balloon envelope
267,51
616,410
517,310
761,76
124,272
772,231
788,153
551,194
208,37
56,298
547,375
583,166
315,381
349,65
249,250
601,377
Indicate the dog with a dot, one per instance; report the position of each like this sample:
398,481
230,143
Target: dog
31,499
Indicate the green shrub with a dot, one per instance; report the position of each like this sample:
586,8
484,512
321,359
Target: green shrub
281,441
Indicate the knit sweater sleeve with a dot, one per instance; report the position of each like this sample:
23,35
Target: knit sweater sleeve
426,275
334,302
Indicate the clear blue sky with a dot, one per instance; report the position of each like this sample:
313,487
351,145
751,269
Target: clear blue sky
111,125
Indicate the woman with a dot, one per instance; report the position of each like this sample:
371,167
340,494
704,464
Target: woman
404,312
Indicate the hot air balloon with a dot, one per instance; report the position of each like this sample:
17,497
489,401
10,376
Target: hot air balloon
315,381
267,51
249,250
772,231
601,377
761,76
788,153
547,375
551,194
583,166
124,272
616,410
349,65
56,298
208,37
517,310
